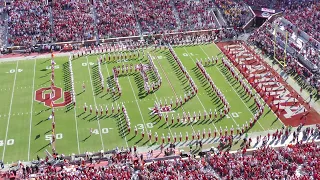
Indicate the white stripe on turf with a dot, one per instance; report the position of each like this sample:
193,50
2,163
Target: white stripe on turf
174,92
9,115
233,88
31,109
75,120
145,126
95,103
125,137
155,94
198,96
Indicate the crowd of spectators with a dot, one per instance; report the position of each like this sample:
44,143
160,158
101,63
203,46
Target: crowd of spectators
269,163
116,18
309,11
155,16
195,15
73,20
37,22
264,39
298,161
28,22
236,13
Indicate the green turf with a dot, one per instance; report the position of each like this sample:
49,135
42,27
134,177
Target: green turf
74,125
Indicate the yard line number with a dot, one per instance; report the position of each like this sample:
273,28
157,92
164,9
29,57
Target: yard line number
13,70
103,131
187,54
55,67
48,137
159,57
233,115
148,125
86,64
9,142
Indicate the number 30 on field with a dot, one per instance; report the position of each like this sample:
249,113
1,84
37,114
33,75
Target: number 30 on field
9,142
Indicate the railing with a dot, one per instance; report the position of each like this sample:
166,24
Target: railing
128,38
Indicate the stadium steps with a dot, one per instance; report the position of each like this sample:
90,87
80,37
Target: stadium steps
51,22
95,20
176,14
137,20
5,31
219,17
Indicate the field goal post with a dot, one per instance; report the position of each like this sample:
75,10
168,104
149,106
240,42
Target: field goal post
282,62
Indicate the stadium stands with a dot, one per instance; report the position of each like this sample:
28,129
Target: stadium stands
195,15
28,22
116,19
308,11
155,16
72,21
293,161
236,13
36,22
302,51
32,21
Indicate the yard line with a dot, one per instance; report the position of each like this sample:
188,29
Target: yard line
158,101
31,109
125,137
94,99
145,126
234,89
75,119
173,90
9,115
198,96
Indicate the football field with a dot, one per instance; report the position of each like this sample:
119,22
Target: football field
25,130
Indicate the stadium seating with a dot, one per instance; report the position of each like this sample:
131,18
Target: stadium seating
195,15
301,53
236,13
28,22
299,15
155,15
299,161
116,18
72,20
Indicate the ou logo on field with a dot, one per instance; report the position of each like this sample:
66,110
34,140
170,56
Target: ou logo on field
56,93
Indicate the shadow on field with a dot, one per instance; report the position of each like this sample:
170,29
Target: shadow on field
96,80
43,147
67,82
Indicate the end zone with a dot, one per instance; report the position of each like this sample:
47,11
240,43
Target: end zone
284,101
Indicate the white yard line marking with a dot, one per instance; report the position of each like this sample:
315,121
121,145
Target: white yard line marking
125,137
158,101
31,109
9,114
173,90
197,94
94,99
75,120
145,126
233,88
